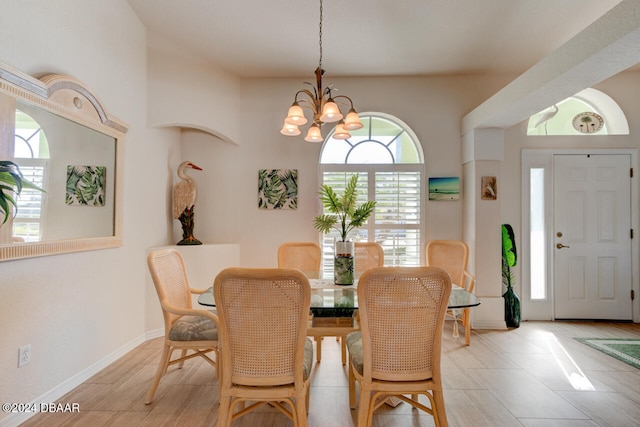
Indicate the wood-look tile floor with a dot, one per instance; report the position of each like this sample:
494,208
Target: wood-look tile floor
536,375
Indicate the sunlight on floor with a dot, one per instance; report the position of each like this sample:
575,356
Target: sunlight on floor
571,370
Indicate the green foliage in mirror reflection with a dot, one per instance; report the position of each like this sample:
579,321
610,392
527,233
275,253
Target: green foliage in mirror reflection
11,184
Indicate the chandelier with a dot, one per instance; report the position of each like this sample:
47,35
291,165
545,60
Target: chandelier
324,106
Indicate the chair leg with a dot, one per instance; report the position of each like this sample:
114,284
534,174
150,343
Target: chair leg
223,411
467,326
318,348
441,420
344,351
183,353
352,388
162,368
363,408
301,410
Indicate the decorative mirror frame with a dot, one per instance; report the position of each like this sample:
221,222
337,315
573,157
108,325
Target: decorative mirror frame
68,98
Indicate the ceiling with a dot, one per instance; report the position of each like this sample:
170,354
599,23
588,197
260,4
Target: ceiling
280,38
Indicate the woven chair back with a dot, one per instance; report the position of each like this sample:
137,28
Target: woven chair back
263,324
170,280
402,311
450,255
367,255
304,256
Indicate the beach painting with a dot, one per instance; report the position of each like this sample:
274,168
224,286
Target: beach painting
444,188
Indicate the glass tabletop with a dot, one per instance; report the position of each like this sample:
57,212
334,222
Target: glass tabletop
329,299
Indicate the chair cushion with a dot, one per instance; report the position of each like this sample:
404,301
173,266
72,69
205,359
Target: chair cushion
193,328
354,345
308,358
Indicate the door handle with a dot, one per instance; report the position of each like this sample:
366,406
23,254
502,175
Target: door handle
560,246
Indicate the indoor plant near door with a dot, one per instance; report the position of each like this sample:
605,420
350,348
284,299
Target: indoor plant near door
509,259
343,216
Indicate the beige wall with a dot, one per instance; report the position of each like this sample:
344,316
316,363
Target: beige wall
227,209
187,92
80,310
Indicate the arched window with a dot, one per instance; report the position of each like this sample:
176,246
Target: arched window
589,112
388,159
31,153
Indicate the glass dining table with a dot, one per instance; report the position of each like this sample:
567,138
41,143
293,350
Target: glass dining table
327,297
334,310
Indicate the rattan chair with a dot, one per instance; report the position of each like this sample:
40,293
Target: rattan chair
452,256
185,328
367,255
398,350
265,354
305,256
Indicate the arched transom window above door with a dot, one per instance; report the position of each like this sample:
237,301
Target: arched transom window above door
589,112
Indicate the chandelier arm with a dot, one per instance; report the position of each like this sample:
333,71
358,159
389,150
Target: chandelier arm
308,105
327,91
315,91
312,99
306,92
312,103
343,96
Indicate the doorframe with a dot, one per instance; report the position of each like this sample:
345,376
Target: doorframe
543,158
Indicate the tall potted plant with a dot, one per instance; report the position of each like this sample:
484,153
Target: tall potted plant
11,184
509,259
343,216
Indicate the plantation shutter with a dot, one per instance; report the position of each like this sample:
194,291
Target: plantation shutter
27,222
397,216
395,223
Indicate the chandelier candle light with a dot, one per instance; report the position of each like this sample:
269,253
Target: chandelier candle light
324,107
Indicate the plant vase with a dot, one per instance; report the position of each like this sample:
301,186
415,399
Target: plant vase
343,214
343,262
511,308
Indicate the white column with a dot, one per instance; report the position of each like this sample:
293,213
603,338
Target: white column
482,154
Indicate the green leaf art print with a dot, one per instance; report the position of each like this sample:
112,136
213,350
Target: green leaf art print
278,189
85,185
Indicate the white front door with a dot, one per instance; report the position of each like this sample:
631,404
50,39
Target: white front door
592,236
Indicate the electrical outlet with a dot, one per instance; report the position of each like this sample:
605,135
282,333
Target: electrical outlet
24,355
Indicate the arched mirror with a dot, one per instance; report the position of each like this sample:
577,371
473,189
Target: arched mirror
63,140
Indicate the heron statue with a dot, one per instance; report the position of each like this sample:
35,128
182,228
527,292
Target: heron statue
546,116
184,198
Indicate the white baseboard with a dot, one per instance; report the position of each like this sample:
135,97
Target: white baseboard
15,419
499,325
489,314
156,333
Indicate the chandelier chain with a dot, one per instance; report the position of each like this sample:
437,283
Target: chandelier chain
323,105
320,34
